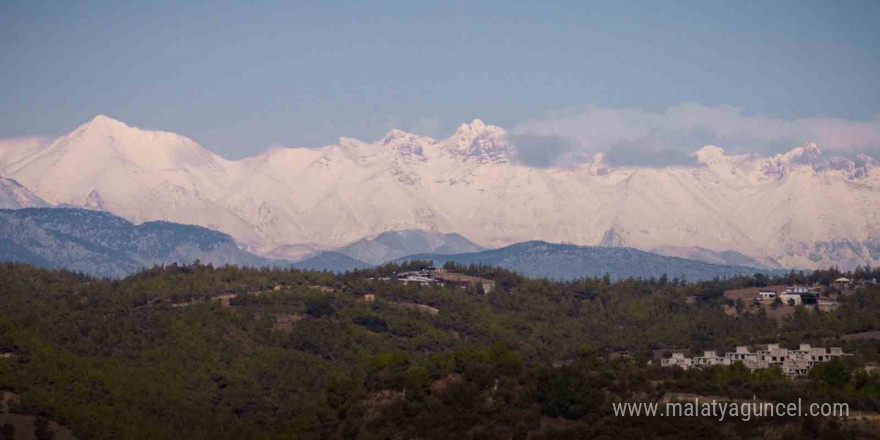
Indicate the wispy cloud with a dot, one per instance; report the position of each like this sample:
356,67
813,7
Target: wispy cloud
10,147
660,137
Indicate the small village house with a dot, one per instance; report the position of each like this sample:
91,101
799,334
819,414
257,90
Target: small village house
677,360
766,295
798,290
791,299
793,362
842,282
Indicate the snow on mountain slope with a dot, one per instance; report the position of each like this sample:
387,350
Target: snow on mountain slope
137,174
15,196
726,258
800,209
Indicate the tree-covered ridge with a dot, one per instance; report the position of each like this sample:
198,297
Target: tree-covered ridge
101,244
539,259
310,355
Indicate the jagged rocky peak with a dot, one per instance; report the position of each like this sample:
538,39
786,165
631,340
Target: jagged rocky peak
476,125
147,176
480,142
401,149
853,169
94,200
405,144
612,238
781,165
810,155
806,154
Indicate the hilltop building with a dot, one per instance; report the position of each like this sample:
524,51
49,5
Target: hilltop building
794,363
463,281
791,299
431,276
422,277
792,295
766,295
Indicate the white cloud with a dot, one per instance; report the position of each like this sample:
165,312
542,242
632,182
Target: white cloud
541,151
11,148
24,141
687,127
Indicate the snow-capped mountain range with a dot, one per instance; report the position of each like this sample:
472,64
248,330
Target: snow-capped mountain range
800,209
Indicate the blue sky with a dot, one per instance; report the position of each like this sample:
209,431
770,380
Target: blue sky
241,76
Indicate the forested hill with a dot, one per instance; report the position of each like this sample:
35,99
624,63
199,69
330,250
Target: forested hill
202,352
99,243
539,259
331,261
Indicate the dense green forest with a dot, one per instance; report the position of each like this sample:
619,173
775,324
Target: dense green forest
312,355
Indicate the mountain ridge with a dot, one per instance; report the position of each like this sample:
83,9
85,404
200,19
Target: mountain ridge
798,209
14,195
332,262
391,245
99,243
540,259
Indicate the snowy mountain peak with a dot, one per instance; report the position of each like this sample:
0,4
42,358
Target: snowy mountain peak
480,142
402,149
106,139
105,128
806,153
103,125
107,121
803,154
811,148
852,169
395,134
15,196
810,157
404,143
864,160
781,165
477,125
800,208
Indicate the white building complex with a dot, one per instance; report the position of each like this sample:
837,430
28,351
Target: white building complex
793,362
